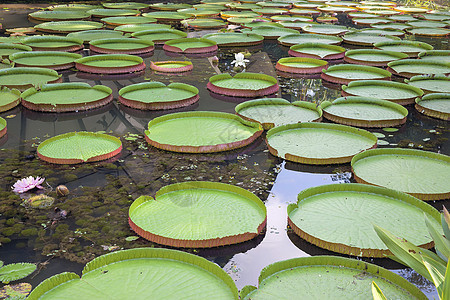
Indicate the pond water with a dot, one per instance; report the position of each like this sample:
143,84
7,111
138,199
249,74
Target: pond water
100,194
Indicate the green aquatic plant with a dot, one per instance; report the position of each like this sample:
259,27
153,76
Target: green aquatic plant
15,271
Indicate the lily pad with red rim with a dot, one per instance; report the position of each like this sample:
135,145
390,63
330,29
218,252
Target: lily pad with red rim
56,60
385,31
171,66
3,127
117,21
412,48
198,214
66,97
422,174
89,35
367,39
190,45
364,112
336,9
9,98
318,51
427,31
397,92
199,12
141,272
304,12
354,234
301,65
243,85
425,23
79,147
436,105
345,73
53,43
301,277
169,6
166,16
430,84
271,112
235,39
399,26
318,143
271,11
297,25
238,14
23,78
411,9
204,23
125,5
59,15
370,21
121,46
441,55
105,12
373,57
156,95
73,6
7,49
68,26
159,36
402,18
271,32
201,132
294,39
131,28
110,64
412,67
284,18
325,29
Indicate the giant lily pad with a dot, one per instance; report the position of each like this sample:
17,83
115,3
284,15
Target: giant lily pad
121,45
8,98
435,16
3,127
171,66
6,49
325,29
169,6
318,51
344,278
53,43
373,57
198,214
166,16
298,25
411,67
354,234
110,64
427,31
201,132
412,48
369,21
238,14
364,112
68,26
131,28
200,12
104,12
64,97
23,78
304,12
269,11
125,5
243,85
402,18
271,112
411,9
79,147
156,95
159,36
59,15
435,84
56,60
271,32
335,9
436,105
294,39
367,39
73,6
440,55
425,23
141,272
190,45
285,18
384,31
345,73
117,21
422,174
397,92
318,143
393,25
89,35
204,23
233,39
301,65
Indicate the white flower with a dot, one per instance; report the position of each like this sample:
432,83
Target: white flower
239,60
310,93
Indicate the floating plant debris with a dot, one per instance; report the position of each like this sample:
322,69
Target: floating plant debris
198,214
79,147
436,105
354,234
422,174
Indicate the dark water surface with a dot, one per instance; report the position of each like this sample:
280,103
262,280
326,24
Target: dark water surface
147,169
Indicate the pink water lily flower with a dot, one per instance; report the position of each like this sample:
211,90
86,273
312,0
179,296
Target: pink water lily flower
26,184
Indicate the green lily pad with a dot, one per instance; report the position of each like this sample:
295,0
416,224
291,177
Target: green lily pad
317,50
244,21
361,15
159,36
364,112
7,49
198,214
385,31
440,55
294,39
171,66
68,26
279,4
169,6
436,105
3,128
12,272
233,39
163,16
89,35
435,17
110,63
104,12
64,97
325,29
345,73
411,67
367,39
73,6
411,9
398,26
435,84
238,14
271,112
201,132
397,92
79,147
121,273
199,13
122,45
53,43
369,21
22,78
59,15
204,23
156,95
402,18
117,21
422,174
425,23
342,278
241,6
297,25
318,143
373,57
335,9
427,31
302,65
190,45
271,32
56,60
382,12
304,12
131,28
354,234
412,48
270,11
125,5
287,18
8,98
